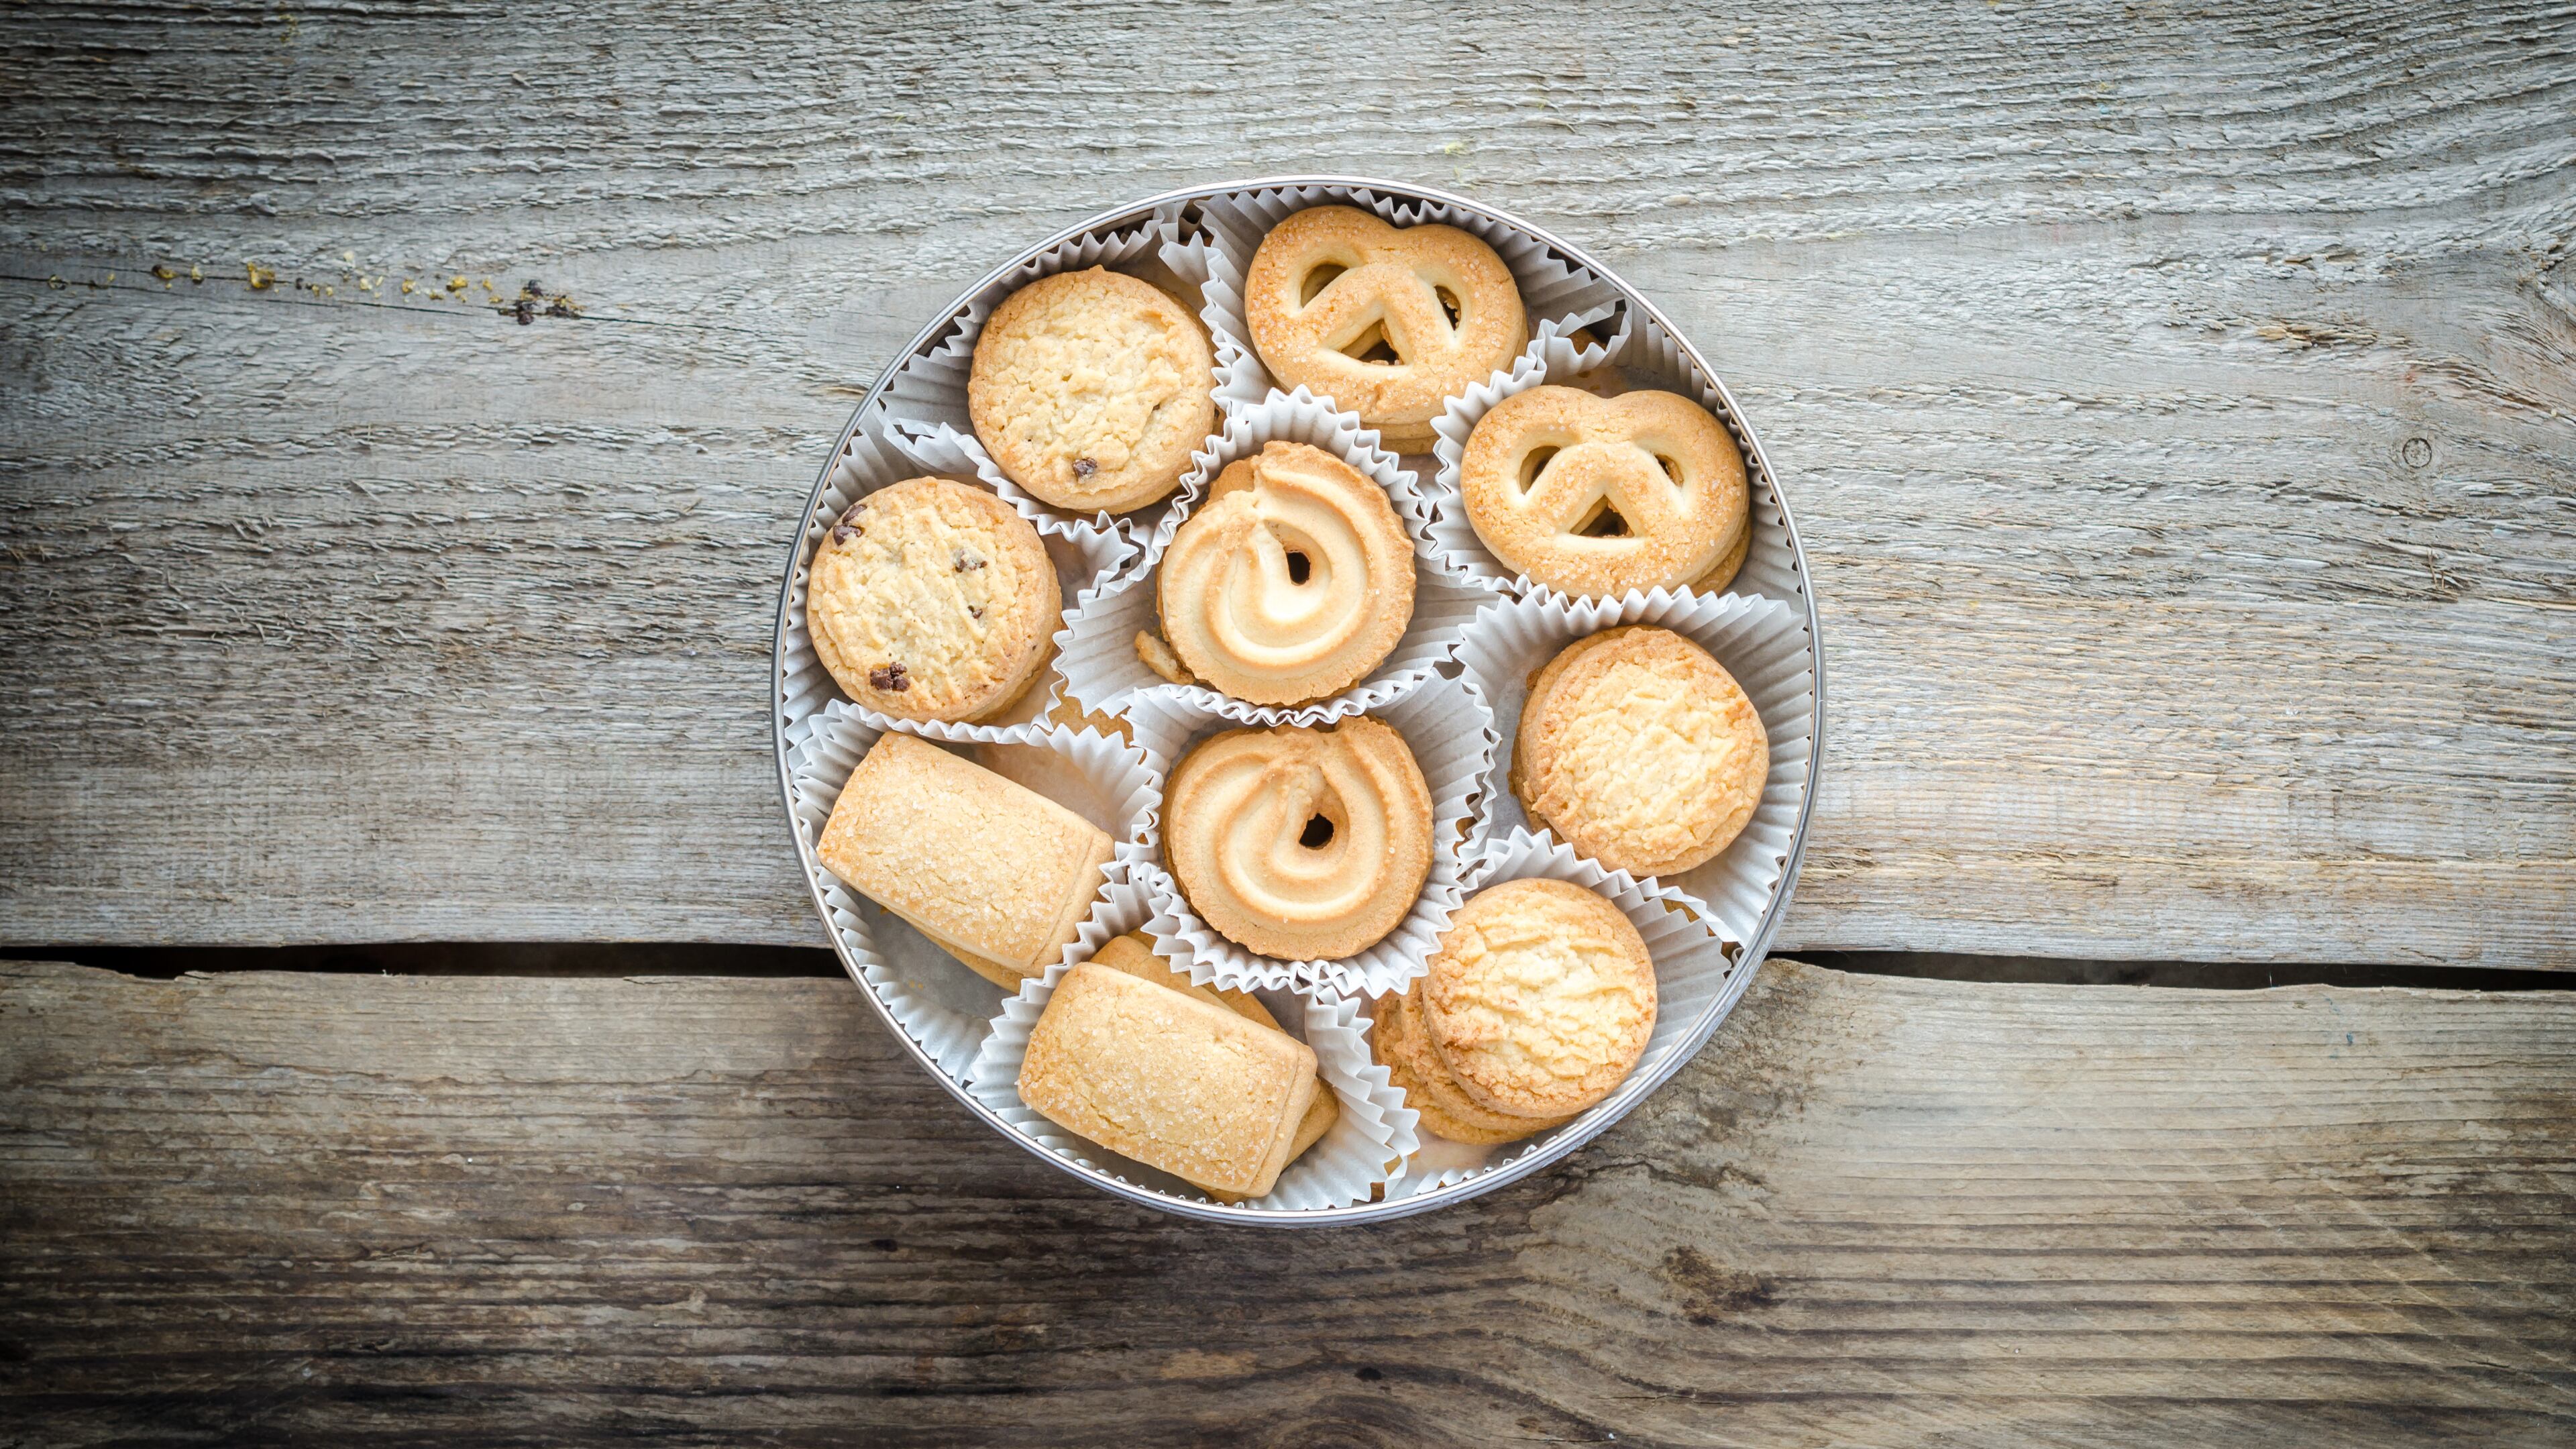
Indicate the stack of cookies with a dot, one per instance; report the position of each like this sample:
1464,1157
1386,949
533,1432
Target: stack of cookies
1537,1005
1240,413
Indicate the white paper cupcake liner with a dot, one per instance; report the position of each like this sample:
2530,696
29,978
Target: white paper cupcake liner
1096,653
1553,289
1083,556
1608,324
926,398
1648,358
1762,642
1351,1163
1450,731
1699,976
936,999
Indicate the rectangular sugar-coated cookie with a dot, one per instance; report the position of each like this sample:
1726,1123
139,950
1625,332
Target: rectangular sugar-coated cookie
995,873
1130,953
1133,954
1168,1079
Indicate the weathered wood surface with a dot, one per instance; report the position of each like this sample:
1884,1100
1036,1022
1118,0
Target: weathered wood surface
2180,404
299,1209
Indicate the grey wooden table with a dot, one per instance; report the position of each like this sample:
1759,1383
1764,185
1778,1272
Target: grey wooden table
405,412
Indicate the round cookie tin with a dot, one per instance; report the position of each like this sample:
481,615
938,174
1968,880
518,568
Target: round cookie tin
799,708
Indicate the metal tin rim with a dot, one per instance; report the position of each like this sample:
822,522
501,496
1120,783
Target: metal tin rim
1637,1088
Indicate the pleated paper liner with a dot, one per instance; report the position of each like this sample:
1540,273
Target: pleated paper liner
1084,557
1445,723
1352,1163
1647,358
1762,642
1698,978
940,1003
1096,654
926,397
1553,289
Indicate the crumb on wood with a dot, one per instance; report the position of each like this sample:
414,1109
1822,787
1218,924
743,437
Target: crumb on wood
535,301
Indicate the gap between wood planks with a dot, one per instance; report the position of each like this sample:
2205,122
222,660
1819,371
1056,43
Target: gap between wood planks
613,959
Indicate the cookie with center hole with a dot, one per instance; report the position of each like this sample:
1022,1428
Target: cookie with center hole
1292,580
1301,843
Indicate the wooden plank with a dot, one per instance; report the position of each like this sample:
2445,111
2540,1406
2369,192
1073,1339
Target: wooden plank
290,1208
2178,407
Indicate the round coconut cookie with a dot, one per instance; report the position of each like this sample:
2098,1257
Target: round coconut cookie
1091,389
1640,751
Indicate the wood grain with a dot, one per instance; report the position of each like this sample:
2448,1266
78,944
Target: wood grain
321,1209
2178,406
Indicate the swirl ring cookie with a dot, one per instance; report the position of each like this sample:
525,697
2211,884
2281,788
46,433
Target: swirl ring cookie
1599,496
1091,389
1540,999
1387,322
1291,581
1640,751
1301,843
932,600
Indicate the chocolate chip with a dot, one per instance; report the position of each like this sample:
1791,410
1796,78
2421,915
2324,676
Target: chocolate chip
964,561
974,611
851,514
843,533
890,678
1084,467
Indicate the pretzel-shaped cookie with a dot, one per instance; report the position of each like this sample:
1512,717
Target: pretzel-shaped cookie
1387,322
1598,496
